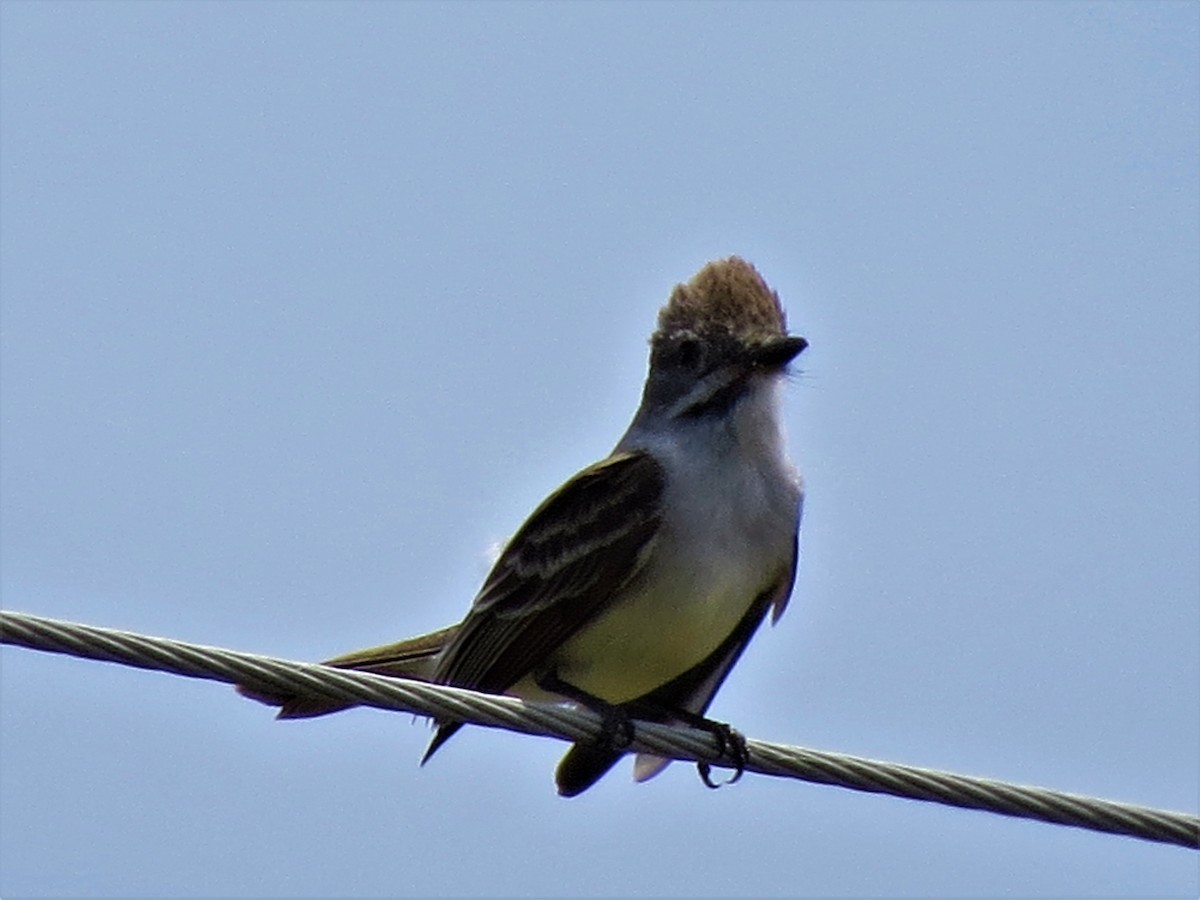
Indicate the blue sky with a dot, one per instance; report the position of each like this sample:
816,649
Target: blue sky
304,306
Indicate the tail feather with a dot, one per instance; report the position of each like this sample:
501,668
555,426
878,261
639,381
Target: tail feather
413,658
584,765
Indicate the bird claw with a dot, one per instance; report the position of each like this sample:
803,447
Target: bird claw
616,732
731,742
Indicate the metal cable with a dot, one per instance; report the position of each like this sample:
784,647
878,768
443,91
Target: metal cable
569,723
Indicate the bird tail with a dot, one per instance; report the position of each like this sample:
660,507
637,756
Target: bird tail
583,766
413,658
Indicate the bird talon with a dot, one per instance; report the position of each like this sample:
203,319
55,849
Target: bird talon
729,741
617,731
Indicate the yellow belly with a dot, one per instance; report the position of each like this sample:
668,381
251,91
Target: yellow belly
643,642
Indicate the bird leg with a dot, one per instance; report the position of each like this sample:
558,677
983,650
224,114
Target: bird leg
730,741
616,728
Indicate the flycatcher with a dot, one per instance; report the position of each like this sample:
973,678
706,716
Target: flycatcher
634,588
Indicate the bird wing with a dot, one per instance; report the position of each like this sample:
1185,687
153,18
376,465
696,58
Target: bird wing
577,552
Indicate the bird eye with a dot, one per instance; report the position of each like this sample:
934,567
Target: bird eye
689,352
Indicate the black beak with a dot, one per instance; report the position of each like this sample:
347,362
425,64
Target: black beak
778,352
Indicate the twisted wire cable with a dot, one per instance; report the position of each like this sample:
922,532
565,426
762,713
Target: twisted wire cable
572,724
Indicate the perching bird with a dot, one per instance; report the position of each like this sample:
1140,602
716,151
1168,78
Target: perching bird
634,588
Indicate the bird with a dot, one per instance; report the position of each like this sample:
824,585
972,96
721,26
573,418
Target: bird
634,588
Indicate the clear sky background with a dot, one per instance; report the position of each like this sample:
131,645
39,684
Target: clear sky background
307,305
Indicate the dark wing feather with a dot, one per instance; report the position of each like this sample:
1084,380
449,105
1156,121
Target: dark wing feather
574,554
